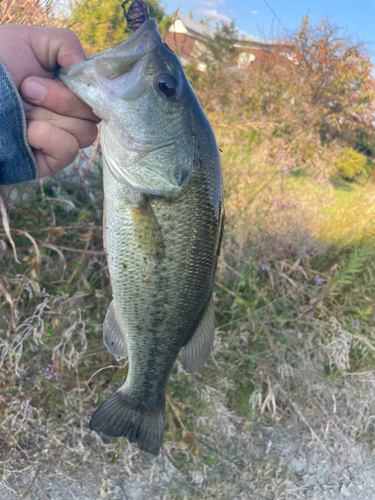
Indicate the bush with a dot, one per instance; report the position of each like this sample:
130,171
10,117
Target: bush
321,80
351,163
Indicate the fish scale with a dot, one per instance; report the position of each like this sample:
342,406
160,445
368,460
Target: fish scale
163,224
178,288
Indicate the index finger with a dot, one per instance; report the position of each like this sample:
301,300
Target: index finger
55,46
56,98
32,50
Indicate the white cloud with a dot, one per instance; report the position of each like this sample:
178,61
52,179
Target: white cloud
254,12
211,3
214,14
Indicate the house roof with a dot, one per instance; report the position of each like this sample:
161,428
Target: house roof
192,26
201,31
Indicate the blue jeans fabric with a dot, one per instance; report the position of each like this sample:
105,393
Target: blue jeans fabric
17,163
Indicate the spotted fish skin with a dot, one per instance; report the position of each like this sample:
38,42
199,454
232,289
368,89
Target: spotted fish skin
162,239
161,300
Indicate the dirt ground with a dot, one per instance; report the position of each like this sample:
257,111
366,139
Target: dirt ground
311,469
311,454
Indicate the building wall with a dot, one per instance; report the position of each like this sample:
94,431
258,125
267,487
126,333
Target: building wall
181,43
188,48
256,56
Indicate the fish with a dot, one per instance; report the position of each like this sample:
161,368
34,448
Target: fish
163,224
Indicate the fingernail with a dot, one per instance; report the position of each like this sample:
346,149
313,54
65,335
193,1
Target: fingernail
34,91
27,106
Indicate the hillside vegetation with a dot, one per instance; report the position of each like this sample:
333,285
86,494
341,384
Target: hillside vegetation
294,292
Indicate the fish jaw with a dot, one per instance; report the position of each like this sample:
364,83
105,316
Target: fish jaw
91,80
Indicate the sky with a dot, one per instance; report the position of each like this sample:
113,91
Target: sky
255,18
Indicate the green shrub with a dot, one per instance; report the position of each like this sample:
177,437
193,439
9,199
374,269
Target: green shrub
350,163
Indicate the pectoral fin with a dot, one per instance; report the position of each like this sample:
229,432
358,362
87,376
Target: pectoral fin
196,351
113,336
147,230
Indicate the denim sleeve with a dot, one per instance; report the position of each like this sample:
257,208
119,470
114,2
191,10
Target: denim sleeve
17,163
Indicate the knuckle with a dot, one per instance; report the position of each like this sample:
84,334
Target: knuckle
68,102
68,34
41,114
71,36
39,133
72,149
45,131
66,153
89,135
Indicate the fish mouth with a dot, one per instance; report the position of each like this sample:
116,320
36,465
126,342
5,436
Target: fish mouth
62,71
134,44
91,78
133,48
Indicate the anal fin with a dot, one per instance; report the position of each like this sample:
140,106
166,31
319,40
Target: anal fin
113,336
195,353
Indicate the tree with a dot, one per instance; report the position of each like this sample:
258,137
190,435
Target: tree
319,80
221,45
338,74
100,24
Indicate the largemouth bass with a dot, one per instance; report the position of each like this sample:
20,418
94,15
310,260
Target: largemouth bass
163,224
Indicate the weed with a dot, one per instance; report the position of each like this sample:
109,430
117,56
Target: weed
293,300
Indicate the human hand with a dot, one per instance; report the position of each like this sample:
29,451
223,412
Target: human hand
58,122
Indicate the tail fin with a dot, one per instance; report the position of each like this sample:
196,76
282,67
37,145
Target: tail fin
116,417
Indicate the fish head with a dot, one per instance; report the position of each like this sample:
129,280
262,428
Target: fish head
141,93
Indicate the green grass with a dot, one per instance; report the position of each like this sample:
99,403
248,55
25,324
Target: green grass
294,316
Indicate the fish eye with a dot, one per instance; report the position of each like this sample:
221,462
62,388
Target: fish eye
168,85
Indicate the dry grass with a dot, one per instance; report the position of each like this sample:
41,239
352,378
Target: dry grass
30,12
294,340
287,345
